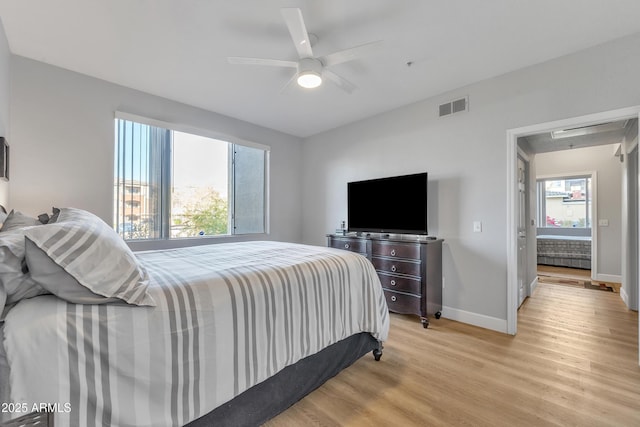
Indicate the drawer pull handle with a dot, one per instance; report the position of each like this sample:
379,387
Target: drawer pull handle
393,252
393,298
346,246
393,268
393,283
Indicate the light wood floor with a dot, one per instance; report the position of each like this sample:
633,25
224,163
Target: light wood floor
574,362
564,271
573,273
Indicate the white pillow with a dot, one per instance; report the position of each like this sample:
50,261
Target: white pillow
92,253
15,284
16,220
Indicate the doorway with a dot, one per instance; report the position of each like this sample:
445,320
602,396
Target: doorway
565,197
513,202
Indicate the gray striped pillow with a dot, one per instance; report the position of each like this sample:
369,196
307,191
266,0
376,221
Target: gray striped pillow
92,253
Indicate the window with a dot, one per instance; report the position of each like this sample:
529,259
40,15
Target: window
171,184
564,202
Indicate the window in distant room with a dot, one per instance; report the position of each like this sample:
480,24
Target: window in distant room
564,202
171,184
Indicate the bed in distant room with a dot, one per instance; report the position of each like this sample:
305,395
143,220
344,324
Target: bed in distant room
564,251
227,334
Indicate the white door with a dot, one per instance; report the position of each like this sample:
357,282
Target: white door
522,230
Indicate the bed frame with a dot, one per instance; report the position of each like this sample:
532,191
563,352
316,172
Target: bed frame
271,397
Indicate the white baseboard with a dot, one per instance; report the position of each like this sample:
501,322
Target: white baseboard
475,319
625,296
533,286
615,278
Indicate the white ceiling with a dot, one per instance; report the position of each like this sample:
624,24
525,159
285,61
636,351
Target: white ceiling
177,49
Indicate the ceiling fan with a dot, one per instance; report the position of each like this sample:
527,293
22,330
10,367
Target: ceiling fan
310,70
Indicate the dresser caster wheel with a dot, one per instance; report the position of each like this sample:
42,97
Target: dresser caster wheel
438,314
425,322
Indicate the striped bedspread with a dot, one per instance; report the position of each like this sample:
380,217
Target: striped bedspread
228,316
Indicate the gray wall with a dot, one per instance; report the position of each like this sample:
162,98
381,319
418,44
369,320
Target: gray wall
602,160
465,155
5,59
63,144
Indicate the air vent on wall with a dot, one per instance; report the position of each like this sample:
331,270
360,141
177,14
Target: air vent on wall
455,106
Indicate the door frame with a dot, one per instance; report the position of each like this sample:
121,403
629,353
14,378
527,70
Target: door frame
526,284
512,194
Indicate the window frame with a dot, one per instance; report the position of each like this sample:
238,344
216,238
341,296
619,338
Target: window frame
541,208
165,238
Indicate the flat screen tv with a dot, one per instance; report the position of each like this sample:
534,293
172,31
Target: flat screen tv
395,204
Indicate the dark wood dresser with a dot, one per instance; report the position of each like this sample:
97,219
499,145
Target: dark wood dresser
410,271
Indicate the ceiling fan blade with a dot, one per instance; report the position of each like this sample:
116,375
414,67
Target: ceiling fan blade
289,83
339,81
293,18
350,54
259,61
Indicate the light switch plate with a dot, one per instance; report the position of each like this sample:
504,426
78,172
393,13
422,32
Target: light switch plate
603,222
477,226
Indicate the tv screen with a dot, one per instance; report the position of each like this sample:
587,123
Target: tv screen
388,205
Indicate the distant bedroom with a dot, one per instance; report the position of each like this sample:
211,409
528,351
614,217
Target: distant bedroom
577,203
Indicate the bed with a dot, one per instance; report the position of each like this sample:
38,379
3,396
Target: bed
564,251
227,334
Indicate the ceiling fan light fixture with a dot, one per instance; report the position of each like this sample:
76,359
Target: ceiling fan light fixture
309,73
310,70
309,79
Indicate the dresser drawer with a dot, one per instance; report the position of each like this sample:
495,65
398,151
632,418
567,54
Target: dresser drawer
396,266
402,284
353,245
395,250
402,303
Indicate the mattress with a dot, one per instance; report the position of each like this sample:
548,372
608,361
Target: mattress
228,317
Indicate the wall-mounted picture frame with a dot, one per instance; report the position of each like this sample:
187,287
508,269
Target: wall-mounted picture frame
4,159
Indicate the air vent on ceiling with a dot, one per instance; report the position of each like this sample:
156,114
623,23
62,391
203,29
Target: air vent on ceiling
453,107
